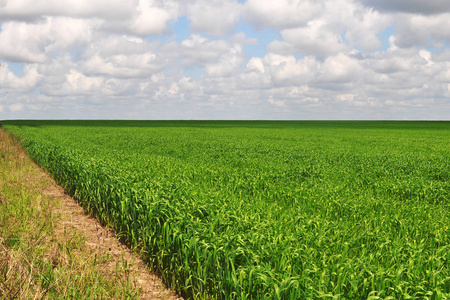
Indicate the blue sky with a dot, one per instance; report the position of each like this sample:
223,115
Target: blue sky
16,68
225,59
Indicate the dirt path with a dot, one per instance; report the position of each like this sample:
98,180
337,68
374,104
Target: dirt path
99,241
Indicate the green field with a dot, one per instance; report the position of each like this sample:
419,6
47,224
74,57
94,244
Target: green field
266,210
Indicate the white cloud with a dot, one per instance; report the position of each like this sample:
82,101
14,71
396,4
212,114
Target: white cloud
281,13
328,32
198,49
24,42
33,10
77,83
152,17
361,25
126,58
345,97
410,6
256,64
175,91
426,55
418,30
287,70
188,85
214,17
37,42
277,103
217,56
119,45
10,82
412,77
123,66
69,32
241,39
227,63
339,69
316,38
141,17
385,64
15,107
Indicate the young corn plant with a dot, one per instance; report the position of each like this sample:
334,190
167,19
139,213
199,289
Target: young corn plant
265,210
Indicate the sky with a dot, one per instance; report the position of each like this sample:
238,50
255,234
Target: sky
225,59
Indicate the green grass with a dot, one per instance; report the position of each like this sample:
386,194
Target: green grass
36,260
266,210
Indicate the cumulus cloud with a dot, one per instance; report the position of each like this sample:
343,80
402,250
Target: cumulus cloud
213,54
15,107
122,57
37,42
315,38
34,10
77,83
282,13
198,49
24,42
328,32
410,6
287,70
413,75
152,16
130,59
339,69
361,25
256,64
217,17
11,82
140,17
419,30
227,63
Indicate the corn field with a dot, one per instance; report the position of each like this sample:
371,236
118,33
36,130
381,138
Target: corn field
265,210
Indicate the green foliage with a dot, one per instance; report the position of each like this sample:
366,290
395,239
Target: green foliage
266,210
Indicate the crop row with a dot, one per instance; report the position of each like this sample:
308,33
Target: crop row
266,212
